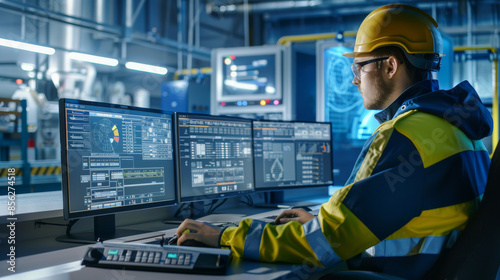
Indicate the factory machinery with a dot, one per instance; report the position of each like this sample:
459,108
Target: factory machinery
30,156
17,149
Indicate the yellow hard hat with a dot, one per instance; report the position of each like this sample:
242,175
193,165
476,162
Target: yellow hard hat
405,26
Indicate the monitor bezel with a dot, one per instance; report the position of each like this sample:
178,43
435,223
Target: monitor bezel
288,187
67,213
211,196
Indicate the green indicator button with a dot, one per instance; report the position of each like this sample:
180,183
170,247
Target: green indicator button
172,255
113,252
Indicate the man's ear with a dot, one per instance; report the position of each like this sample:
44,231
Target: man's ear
393,66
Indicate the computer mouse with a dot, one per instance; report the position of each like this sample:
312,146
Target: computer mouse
194,243
172,240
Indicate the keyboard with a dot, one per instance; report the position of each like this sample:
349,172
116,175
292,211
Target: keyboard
272,218
139,256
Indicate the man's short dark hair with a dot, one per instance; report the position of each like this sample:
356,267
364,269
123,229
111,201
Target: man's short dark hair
415,74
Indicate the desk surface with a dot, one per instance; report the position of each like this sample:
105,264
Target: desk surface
65,264
33,206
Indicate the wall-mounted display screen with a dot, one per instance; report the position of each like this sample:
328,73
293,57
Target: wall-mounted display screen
247,76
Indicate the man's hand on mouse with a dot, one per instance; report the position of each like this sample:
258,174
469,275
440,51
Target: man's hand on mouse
202,232
298,214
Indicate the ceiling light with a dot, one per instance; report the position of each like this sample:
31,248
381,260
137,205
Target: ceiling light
93,59
146,68
26,47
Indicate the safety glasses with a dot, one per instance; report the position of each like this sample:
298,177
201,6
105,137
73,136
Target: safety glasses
357,66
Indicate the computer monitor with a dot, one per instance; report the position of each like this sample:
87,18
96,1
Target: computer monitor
247,80
215,156
114,158
292,154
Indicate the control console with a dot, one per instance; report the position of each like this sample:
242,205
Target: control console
139,256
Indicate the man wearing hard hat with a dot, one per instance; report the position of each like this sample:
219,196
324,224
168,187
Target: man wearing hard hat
417,180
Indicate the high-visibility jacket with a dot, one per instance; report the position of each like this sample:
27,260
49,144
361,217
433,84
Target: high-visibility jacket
417,180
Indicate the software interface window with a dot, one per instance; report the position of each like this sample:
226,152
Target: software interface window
249,74
215,155
118,157
292,154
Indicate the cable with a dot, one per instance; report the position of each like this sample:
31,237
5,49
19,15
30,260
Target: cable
220,204
68,226
49,224
214,201
246,202
181,209
249,200
211,203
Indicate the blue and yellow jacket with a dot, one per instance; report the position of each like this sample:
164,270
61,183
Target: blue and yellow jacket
415,184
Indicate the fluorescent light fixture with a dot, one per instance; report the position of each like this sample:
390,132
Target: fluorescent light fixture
146,68
26,47
93,59
27,66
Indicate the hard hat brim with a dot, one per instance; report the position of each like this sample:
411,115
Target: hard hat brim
351,54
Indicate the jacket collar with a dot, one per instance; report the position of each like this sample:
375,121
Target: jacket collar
413,91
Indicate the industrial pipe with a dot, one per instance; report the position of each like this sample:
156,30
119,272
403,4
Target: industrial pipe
495,113
285,40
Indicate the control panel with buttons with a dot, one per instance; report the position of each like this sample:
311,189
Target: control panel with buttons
154,257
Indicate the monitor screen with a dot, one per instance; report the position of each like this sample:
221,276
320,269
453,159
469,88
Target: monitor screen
246,76
292,154
215,156
115,158
255,74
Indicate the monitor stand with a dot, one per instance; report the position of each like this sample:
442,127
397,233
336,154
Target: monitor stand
277,200
104,229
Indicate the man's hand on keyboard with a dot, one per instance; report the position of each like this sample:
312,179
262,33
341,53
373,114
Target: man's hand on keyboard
298,214
198,231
